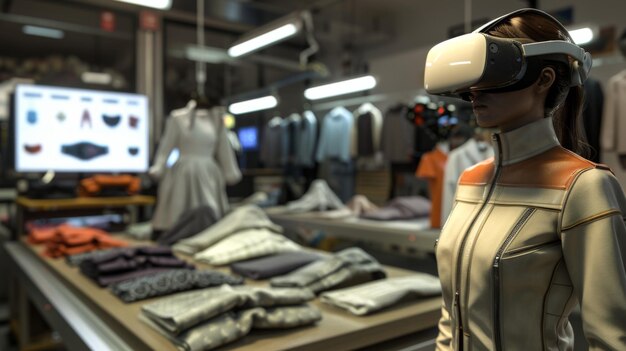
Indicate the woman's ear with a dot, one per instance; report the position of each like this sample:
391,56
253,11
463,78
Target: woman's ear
545,80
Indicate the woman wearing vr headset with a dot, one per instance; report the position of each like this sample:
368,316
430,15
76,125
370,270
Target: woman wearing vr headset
538,229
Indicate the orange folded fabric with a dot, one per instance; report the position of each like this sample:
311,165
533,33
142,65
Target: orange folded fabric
66,240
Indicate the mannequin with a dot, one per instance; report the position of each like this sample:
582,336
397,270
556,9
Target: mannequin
205,166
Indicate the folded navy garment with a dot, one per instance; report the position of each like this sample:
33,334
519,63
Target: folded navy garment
84,150
111,121
189,224
406,207
129,263
270,266
169,282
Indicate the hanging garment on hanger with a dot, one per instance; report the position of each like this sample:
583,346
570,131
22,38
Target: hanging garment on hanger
431,168
459,159
366,135
397,136
205,166
334,141
614,116
273,147
307,137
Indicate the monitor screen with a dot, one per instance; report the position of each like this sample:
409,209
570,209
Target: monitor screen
77,130
248,137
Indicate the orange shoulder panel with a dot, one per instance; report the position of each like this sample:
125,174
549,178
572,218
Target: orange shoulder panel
555,169
479,174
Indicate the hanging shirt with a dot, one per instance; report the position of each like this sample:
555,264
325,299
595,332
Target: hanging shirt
614,119
307,136
335,137
459,159
431,168
273,148
397,139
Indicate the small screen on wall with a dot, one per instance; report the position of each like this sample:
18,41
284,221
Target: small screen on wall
248,137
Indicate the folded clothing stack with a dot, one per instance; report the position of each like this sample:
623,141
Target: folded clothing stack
209,318
243,218
346,268
271,266
65,240
371,297
130,263
404,207
170,282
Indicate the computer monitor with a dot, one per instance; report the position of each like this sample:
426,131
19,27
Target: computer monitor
248,138
80,131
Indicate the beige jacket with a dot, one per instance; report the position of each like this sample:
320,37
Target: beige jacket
532,233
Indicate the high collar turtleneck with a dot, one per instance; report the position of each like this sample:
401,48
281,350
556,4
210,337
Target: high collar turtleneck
524,142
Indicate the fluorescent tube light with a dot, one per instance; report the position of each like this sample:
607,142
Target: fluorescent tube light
43,32
96,78
157,4
262,103
581,36
340,88
263,40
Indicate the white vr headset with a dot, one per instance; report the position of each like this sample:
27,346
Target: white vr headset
481,62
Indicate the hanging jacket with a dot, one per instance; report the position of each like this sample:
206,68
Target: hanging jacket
531,233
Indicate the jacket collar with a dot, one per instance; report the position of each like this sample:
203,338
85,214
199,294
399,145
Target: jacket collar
524,142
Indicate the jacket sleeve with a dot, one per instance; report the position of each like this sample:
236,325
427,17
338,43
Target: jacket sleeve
444,339
168,142
225,155
593,236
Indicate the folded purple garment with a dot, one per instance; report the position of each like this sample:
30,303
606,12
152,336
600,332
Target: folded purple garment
270,266
407,207
121,265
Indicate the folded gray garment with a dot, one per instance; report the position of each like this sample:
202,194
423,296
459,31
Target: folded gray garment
346,268
245,217
406,207
170,282
367,298
182,311
319,197
270,266
247,244
189,224
232,326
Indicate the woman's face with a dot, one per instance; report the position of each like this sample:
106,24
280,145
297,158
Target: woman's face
506,111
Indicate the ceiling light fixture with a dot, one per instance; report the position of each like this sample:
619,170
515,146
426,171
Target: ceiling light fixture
268,34
157,4
340,88
258,104
582,35
43,32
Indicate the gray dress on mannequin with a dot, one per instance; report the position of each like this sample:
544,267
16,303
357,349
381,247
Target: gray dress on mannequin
205,166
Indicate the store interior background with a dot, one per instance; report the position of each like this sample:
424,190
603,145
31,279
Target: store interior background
388,39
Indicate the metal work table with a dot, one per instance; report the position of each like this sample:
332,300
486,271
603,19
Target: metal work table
89,317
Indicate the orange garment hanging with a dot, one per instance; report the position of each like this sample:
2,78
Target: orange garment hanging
431,168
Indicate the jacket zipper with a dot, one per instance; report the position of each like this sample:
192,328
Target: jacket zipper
457,293
496,275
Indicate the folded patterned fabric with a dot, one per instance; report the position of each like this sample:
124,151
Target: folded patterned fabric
406,207
234,325
346,268
67,240
245,217
75,260
360,204
370,297
131,263
185,310
170,282
189,224
245,245
270,266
